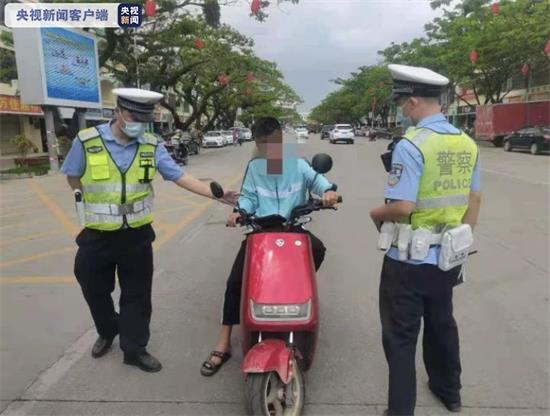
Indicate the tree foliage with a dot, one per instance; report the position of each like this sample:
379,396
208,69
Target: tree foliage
504,42
212,79
162,55
360,94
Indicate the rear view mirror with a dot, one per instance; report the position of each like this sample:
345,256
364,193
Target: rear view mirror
322,163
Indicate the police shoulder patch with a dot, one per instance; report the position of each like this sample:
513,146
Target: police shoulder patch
87,134
95,149
150,139
395,174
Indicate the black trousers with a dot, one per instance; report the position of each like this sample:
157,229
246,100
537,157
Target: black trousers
129,254
232,301
409,293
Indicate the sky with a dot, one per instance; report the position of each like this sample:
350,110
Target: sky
316,41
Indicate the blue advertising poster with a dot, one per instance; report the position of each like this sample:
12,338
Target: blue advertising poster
70,65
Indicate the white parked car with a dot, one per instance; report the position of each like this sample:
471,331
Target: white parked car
228,137
247,134
301,132
213,139
342,133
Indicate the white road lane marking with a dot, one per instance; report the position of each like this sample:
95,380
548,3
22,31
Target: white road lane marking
38,389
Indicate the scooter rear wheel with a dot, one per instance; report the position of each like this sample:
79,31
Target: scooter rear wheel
267,395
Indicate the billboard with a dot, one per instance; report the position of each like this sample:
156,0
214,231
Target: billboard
57,66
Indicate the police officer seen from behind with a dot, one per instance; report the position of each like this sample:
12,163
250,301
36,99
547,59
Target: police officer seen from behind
114,165
432,204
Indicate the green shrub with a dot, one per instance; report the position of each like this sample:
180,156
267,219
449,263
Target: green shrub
36,169
24,146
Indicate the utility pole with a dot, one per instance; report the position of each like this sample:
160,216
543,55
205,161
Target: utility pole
51,138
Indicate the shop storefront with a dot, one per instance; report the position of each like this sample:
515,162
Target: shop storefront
17,119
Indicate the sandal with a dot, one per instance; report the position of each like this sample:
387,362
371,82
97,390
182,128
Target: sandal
209,368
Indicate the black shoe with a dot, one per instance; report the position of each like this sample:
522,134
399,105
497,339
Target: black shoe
144,361
452,406
101,346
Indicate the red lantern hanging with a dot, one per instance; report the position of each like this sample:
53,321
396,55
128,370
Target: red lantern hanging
255,6
250,77
223,80
150,8
473,56
495,9
525,70
547,48
199,43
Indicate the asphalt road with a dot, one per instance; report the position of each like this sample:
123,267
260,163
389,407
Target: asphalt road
46,331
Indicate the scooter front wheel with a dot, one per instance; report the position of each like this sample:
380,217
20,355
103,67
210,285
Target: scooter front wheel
267,395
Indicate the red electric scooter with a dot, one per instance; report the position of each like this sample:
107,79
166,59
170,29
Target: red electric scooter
279,308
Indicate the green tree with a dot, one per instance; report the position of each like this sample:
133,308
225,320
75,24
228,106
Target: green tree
173,10
363,92
8,68
504,43
163,55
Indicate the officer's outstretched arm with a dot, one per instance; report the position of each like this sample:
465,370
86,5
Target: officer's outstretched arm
192,184
472,213
74,182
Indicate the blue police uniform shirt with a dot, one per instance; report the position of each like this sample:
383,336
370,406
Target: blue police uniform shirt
405,187
122,155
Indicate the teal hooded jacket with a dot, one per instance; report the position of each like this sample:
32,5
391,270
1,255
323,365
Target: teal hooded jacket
264,194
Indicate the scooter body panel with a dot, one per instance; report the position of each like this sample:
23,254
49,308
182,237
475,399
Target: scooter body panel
269,355
279,271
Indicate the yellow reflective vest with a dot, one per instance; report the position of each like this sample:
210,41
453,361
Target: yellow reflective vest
114,199
444,189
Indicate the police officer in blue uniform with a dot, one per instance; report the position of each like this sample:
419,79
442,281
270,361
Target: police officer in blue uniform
412,290
114,164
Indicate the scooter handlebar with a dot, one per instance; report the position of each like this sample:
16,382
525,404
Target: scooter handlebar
216,189
299,211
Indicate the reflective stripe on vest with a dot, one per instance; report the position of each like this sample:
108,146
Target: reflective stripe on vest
135,208
116,219
117,187
113,198
444,188
442,201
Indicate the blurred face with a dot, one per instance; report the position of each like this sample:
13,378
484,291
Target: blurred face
271,147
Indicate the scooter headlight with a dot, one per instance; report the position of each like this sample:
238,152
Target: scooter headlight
270,312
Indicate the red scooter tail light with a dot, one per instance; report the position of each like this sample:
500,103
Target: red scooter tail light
266,312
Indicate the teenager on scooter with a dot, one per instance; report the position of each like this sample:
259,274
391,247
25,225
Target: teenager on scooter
273,185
